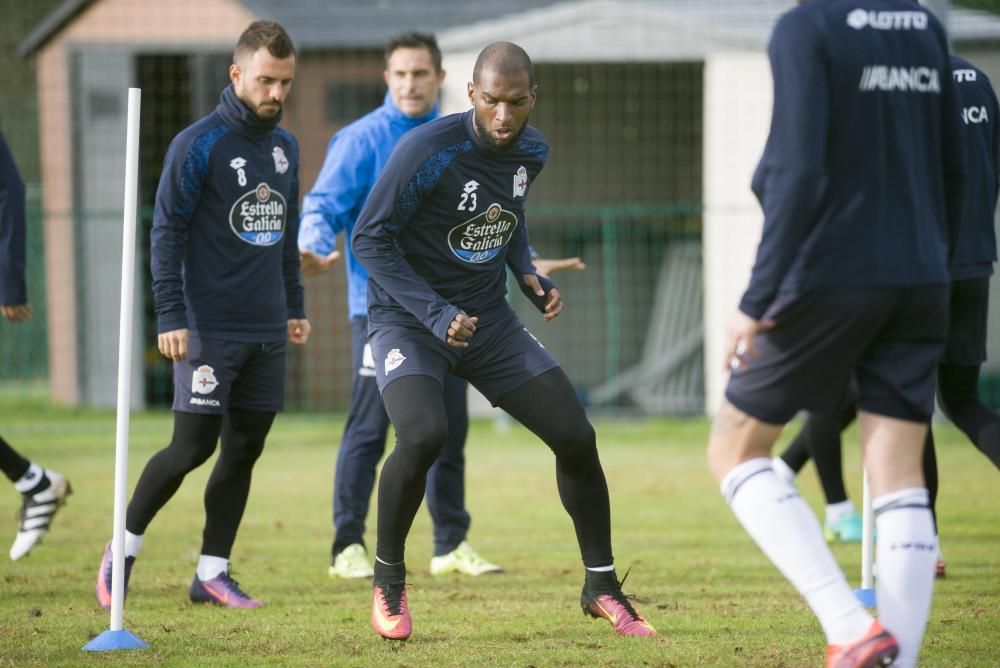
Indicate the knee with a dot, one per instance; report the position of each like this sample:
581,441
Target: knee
187,455
575,444
422,441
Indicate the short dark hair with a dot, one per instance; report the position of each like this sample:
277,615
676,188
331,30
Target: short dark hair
504,58
415,40
261,34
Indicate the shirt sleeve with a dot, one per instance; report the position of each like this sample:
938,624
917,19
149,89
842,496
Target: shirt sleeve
13,287
792,166
337,196
519,260
407,179
177,195
294,293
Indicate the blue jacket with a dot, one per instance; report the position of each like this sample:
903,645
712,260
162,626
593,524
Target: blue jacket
444,221
13,290
861,178
225,260
355,157
975,248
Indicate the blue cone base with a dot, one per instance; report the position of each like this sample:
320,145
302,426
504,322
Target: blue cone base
111,640
866,596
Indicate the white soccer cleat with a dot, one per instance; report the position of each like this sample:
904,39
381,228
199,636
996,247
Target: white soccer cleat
351,563
37,512
463,559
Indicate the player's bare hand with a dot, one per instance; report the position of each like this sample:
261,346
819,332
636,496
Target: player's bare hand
313,265
16,312
553,302
547,266
461,329
298,331
174,344
739,340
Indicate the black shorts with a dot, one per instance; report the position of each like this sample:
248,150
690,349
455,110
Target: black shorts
891,338
502,355
970,303
219,375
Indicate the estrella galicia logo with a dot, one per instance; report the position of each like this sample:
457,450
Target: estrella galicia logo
258,217
481,239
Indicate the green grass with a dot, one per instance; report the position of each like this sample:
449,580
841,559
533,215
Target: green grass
714,598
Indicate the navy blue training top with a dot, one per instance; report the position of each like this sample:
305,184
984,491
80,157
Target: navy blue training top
861,178
13,289
225,257
442,220
975,248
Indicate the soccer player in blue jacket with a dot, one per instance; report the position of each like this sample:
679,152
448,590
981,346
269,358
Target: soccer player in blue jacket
42,490
355,157
227,296
443,222
861,185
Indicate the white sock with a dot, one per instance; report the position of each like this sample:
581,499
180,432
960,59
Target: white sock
835,511
906,551
133,543
783,470
30,479
210,567
786,530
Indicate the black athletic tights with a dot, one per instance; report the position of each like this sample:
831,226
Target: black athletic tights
547,405
13,465
193,442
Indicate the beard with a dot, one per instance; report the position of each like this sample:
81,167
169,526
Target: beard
489,139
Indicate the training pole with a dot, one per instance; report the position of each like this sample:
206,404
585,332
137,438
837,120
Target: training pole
866,592
117,637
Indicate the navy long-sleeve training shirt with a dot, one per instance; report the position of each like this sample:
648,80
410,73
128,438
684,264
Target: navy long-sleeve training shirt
444,217
225,257
13,288
861,178
975,248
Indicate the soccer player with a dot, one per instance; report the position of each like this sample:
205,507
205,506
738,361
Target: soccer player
863,155
971,263
441,223
355,157
42,491
226,288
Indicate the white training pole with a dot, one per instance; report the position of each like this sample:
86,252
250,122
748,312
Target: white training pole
867,538
125,359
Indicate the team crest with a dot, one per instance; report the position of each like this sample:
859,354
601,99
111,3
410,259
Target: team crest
203,381
393,360
520,181
280,161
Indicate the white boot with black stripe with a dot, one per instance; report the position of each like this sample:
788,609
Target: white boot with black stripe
37,511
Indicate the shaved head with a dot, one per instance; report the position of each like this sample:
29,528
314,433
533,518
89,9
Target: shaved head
504,58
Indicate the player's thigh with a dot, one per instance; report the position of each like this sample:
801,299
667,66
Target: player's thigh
260,384
897,374
203,381
805,360
967,323
510,357
400,351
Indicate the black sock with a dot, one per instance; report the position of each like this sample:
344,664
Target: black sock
601,582
389,573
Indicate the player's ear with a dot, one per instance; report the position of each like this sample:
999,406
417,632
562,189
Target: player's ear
534,95
385,76
441,75
472,92
234,73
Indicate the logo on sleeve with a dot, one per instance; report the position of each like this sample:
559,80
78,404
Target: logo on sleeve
203,381
280,161
520,181
860,19
258,217
393,360
483,238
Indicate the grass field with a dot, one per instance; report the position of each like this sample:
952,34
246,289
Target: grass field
709,591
